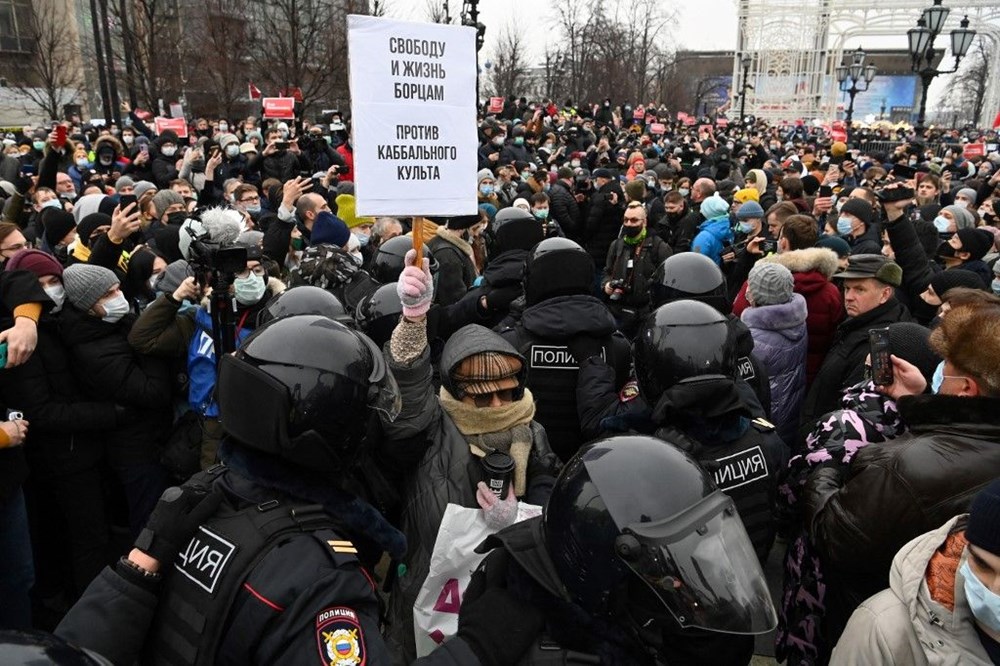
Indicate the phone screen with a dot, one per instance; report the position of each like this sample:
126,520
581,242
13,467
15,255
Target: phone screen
878,341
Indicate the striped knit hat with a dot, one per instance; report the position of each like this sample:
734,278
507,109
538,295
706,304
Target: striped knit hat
486,372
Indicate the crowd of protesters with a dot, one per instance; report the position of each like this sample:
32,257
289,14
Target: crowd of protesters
714,285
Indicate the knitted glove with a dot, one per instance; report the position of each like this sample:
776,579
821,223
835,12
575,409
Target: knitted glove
415,287
499,513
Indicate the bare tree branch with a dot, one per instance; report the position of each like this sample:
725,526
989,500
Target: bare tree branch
51,76
509,71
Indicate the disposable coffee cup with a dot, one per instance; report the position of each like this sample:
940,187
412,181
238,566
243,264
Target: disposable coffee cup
498,470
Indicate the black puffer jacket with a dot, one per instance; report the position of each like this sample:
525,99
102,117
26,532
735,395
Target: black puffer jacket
844,363
107,368
895,491
604,221
564,209
447,473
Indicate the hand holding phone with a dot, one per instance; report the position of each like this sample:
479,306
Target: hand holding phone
879,351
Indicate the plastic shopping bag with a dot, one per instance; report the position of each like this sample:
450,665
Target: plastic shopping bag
435,612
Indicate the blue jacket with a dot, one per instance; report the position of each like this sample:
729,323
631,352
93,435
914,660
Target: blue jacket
713,235
202,372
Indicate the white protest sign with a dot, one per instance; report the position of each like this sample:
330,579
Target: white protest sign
413,110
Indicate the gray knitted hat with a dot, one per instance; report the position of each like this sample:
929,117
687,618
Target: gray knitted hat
164,199
770,284
123,182
141,187
85,284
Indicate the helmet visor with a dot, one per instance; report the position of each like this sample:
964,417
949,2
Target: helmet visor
702,566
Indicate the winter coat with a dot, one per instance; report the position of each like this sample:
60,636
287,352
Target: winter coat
894,492
811,268
917,270
446,473
713,235
909,624
202,369
869,242
604,221
652,252
107,368
164,170
456,269
66,423
283,165
844,363
564,209
346,153
780,343
164,328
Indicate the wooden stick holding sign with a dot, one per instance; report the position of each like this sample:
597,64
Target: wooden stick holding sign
418,241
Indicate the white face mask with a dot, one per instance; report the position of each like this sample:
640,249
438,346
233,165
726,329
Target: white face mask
128,139
232,150
168,151
56,294
249,290
51,203
115,309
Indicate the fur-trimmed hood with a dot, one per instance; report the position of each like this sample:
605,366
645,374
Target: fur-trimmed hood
109,142
810,259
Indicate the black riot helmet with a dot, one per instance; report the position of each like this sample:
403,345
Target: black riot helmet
682,341
692,276
557,267
27,648
379,312
301,387
634,514
304,299
515,229
388,261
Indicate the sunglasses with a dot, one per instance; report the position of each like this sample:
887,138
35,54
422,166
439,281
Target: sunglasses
486,399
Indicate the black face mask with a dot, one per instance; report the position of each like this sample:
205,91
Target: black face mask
176,218
631,232
946,250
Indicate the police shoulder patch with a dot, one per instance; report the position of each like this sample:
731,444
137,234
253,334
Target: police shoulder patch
339,638
629,392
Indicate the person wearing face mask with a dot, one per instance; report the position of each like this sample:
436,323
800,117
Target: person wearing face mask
94,325
965,250
630,263
66,447
855,224
487,188
950,576
164,164
922,478
252,288
360,227
60,233
108,157
515,149
716,232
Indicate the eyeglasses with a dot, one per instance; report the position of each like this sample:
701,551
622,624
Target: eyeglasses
250,200
632,219
486,399
259,271
14,248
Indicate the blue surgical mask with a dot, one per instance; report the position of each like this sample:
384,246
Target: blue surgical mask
486,190
518,140
254,209
52,203
983,602
541,213
38,145
744,227
941,223
995,286
844,225
362,239
938,378
684,192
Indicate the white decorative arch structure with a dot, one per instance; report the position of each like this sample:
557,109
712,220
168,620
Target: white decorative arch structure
794,48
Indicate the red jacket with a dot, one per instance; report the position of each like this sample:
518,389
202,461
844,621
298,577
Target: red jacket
348,155
811,268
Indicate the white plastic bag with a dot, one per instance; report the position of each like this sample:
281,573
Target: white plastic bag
435,612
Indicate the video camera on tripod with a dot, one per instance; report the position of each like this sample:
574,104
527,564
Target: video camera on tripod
207,242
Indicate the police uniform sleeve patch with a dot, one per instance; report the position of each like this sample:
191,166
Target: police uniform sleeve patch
629,392
339,638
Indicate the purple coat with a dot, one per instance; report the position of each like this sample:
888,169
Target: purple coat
780,342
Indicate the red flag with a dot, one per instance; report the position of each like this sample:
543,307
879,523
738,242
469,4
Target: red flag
255,92
996,121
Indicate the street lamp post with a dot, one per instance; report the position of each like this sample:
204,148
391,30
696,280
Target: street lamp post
853,79
745,62
921,46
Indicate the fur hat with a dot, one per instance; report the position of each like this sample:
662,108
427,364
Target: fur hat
969,338
770,284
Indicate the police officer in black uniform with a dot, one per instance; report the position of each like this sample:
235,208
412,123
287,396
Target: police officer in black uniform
689,275
638,558
685,365
271,549
558,279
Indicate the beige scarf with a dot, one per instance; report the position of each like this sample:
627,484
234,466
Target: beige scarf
506,428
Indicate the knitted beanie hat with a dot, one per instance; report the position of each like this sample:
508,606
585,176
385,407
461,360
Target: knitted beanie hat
750,210
983,529
770,284
486,372
329,228
85,284
57,224
747,194
713,207
164,199
911,342
38,262
977,242
967,193
947,280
